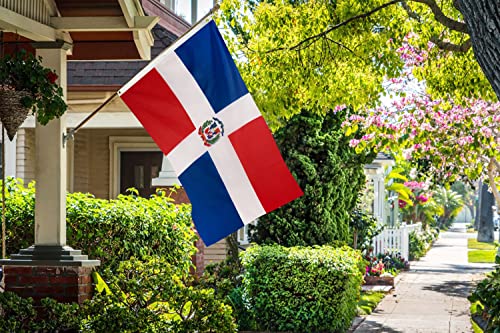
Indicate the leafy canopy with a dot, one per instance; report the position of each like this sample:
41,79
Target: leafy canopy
313,55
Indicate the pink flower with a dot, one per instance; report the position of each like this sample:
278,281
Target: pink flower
339,108
353,143
422,198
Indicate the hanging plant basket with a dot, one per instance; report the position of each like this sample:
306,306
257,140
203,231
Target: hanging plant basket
12,112
28,87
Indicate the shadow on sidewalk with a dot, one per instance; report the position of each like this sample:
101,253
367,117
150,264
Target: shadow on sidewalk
452,288
371,326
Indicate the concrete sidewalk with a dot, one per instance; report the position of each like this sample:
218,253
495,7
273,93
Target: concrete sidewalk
432,296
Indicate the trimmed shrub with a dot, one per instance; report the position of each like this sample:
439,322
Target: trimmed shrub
302,289
330,173
108,230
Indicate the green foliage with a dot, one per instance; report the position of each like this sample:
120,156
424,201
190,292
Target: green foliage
144,296
448,204
368,301
19,314
329,172
302,289
487,299
150,296
22,71
364,227
285,78
289,63
420,242
129,226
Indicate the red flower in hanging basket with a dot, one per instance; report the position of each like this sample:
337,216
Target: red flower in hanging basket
52,77
34,84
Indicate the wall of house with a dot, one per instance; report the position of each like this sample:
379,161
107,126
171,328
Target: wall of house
215,253
81,155
91,159
25,155
91,172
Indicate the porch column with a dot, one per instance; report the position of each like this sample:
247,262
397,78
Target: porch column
49,268
50,165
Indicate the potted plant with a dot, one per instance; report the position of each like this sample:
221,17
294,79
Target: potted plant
26,85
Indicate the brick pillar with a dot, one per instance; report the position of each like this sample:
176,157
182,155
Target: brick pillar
65,284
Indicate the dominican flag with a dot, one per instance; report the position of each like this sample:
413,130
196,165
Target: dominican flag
192,101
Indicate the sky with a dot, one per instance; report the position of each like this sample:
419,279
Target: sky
184,8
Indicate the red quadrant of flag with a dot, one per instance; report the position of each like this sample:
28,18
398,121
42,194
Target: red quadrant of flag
159,111
273,183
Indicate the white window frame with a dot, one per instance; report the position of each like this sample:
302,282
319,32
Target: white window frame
118,144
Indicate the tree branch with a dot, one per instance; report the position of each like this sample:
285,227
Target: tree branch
433,6
410,12
442,18
447,46
341,24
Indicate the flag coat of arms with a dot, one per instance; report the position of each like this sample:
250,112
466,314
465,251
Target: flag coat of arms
193,102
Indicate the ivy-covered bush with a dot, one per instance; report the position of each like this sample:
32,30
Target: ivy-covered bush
302,289
329,172
108,230
485,307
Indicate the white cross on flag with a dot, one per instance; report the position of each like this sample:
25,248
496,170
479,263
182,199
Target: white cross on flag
192,101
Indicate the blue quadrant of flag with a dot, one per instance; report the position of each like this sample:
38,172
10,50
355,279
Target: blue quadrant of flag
210,210
207,58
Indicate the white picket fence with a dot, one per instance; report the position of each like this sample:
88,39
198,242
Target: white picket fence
395,239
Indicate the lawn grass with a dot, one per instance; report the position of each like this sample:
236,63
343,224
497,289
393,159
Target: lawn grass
482,256
474,244
368,301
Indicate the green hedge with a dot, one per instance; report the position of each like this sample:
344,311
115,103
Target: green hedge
302,289
108,230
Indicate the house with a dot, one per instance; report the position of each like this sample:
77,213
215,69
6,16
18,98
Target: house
112,152
375,176
60,31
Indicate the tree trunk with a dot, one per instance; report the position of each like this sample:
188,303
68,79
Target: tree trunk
485,216
471,208
483,22
478,204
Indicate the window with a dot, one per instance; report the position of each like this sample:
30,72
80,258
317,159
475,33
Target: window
170,4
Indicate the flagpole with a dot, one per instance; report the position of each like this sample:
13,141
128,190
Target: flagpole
71,133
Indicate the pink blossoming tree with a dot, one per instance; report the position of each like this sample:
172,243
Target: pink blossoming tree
451,138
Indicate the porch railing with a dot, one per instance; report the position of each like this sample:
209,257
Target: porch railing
395,240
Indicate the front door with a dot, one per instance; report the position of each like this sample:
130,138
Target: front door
137,169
